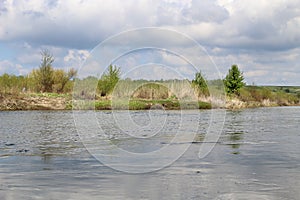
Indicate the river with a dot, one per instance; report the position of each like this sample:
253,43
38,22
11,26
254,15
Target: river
42,156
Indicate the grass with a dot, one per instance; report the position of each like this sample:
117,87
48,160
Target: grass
168,95
50,95
140,104
277,95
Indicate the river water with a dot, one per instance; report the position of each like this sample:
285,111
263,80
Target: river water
42,156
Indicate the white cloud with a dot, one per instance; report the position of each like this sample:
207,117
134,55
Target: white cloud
76,56
257,35
11,68
71,23
30,57
82,24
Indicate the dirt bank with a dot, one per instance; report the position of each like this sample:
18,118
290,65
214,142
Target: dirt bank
63,102
33,102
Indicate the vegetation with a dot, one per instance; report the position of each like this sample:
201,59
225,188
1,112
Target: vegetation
200,85
62,81
12,84
151,91
44,75
54,86
233,81
48,79
143,104
276,95
41,80
109,80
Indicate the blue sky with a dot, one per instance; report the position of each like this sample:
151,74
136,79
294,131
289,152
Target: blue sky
262,37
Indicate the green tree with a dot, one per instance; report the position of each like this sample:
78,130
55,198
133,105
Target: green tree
200,84
62,78
5,83
109,80
234,80
44,75
11,83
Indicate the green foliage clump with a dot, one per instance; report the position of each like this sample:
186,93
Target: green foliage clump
151,91
61,80
12,84
44,75
109,80
234,80
103,105
48,79
271,93
200,84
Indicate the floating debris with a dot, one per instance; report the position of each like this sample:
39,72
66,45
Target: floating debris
22,151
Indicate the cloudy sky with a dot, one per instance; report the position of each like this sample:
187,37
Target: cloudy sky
262,37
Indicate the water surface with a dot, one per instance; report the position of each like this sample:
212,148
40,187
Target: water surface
256,157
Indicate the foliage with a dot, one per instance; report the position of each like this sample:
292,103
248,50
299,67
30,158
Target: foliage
204,105
44,75
61,79
85,88
48,79
200,84
109,80
151,91
143,104
11,83
276,95
143,94
234,80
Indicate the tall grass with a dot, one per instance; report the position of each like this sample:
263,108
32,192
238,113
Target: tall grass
142,89
273,94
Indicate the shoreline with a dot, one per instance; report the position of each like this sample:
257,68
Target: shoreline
52,101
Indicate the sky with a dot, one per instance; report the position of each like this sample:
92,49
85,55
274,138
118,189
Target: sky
262,37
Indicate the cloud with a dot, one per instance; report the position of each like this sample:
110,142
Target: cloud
257,35
11,68
30,57
75,58
205,11
75,24
83,24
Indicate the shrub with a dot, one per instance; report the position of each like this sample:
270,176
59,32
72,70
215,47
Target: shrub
109,80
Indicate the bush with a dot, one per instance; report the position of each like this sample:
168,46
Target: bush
200,85
109,80
151,91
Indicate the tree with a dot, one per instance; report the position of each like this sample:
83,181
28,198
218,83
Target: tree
109,80
200,83
44,75
61,78
234,80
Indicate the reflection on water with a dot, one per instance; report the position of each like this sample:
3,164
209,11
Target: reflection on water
257,157
235,138
236,132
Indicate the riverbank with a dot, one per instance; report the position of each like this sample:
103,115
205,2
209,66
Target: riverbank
235,103
53,101
35,101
